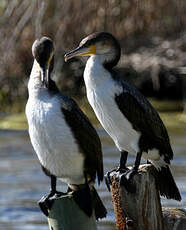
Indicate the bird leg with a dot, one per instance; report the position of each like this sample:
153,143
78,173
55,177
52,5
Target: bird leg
126,178
46,202
134,169
119,171
122,162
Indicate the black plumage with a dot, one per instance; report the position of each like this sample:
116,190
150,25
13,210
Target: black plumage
86,138
45,100
153,134
144,119
141,129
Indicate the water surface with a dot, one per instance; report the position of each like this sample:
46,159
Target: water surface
23,183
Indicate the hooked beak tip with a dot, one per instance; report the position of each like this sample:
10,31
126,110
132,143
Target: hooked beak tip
72,54
66,58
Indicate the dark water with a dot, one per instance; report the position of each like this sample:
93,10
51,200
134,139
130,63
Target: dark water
22,183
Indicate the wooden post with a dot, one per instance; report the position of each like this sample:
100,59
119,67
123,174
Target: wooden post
174,219
140,210
66,215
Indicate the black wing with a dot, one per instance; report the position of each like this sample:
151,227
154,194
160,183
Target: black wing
144,118
86,137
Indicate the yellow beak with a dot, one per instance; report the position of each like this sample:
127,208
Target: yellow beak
81,51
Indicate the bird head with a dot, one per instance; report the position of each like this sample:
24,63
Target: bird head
98,44
43,52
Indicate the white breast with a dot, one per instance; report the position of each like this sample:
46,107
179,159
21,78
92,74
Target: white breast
101,91
53,140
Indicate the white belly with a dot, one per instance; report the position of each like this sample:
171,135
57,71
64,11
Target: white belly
53,141
101,92
118,127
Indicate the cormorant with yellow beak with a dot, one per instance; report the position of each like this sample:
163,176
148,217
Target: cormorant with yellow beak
125,113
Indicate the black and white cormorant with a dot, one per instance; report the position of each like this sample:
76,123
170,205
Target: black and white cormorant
67,145
124,112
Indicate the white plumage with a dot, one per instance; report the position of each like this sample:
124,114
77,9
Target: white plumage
124,112
101,92
51,137
67,145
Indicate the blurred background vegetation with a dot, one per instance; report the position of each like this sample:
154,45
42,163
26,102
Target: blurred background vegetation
152,34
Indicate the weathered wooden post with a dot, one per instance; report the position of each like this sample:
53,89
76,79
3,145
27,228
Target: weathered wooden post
140,210
134,211
174,219
66,215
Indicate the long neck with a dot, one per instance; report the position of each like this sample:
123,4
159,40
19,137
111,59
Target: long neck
35,85
95,73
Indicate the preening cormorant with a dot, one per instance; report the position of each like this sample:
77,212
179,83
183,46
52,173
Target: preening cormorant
67,145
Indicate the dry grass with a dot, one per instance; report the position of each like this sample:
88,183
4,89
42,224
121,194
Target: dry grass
67,22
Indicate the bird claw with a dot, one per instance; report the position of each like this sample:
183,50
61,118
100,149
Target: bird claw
129,223
46,202
109,175
45,205
126,178
130,173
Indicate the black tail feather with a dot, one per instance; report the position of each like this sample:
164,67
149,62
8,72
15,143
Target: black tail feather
89,200
99,208
83,199
166,184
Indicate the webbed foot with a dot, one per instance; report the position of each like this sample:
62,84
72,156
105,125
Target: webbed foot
46,202
116,172
124,176
126,180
